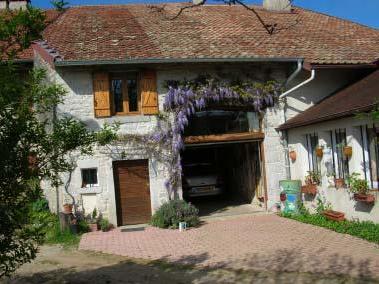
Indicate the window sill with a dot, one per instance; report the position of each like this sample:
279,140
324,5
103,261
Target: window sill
128,118
89,190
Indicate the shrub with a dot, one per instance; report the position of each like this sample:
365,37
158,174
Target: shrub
357,185
104,225
47,225
171,213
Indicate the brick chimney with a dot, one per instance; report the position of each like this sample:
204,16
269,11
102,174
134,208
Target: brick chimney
277,5
13,4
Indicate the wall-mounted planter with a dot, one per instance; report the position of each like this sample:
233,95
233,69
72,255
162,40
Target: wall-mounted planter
366,198
348,151
334,215
319,152
292,155
339,182
310,189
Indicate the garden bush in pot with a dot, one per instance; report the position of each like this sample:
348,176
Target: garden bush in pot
171,213
360,188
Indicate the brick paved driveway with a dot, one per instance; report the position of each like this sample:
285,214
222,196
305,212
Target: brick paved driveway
261,242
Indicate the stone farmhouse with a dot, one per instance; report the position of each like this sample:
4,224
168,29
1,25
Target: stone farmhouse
114,61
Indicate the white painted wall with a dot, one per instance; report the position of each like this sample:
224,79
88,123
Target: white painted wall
340,199
325,83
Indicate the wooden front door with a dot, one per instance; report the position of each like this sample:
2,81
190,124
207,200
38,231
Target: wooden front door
132,192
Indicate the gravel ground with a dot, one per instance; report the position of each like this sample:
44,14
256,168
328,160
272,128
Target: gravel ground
55,264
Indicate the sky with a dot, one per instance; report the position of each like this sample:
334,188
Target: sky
365,12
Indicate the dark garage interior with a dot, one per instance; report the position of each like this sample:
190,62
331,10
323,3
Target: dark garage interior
220,176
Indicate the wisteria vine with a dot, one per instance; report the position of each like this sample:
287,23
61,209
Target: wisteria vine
185,98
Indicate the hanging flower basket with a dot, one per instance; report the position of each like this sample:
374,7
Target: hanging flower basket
339,183
292,155
334,215
319,152
310,189
366,198
348,151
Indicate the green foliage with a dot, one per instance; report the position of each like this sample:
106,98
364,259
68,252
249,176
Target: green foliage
104,224
171,213
46,225
357,184
322,205
18,29
59,5
94,214
30,128
65,238
364,230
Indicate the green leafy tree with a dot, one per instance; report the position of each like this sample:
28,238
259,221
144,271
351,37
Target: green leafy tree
34,142
59,5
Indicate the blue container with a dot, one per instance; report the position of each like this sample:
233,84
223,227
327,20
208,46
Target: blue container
291,188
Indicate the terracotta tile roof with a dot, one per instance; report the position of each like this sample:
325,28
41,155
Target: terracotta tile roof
122,32
360,96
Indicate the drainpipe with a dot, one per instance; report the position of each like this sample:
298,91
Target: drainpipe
285,133
293,75
313,75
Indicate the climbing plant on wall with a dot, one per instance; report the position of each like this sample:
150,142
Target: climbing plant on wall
185,98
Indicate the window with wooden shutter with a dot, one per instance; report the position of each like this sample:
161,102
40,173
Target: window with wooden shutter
149,95
102,98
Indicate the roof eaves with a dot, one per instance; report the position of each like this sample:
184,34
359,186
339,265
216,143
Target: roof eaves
62,63
289,125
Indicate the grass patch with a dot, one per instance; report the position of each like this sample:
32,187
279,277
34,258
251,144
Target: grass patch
365,230
46,224
55,236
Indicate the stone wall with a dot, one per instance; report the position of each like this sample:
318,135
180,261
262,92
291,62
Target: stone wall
78,103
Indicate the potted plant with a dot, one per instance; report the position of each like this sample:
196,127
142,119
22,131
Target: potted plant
334,215
312,180
338,182
360,189
74,227
67,208
105,226
93,221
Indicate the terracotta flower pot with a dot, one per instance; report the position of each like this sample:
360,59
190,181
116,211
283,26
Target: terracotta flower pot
339,183
310,189
93,227
67,208
292,155
366,198
348,151
334,215
319,152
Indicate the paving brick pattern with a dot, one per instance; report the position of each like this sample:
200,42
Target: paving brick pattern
261,242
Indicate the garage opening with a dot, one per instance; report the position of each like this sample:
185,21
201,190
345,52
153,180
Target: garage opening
222,172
